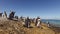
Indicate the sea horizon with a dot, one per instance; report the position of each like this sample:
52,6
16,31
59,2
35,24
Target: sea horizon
54,22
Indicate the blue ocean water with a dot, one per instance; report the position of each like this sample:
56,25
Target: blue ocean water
52,21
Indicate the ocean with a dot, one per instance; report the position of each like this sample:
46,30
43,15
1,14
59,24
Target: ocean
52,22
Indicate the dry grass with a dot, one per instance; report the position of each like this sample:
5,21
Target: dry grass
56,30
16,27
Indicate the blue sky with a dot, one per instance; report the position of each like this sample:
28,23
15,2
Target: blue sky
46,9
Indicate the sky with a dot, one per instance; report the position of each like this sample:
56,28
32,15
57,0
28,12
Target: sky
46,9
